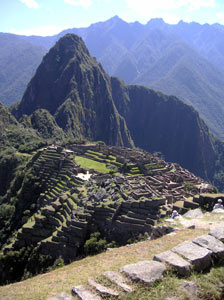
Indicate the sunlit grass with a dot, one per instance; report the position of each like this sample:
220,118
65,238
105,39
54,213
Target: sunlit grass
87,163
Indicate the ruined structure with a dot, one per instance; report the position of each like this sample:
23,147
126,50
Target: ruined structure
133,192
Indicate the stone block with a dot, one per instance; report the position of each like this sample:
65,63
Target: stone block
180,265
211,243
145,271
198,256
84,294
135,204
102,289
218,233
118,280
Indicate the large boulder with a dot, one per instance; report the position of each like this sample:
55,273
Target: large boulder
145,271
194,213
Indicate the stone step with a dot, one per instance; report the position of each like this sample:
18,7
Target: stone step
84,294
179,206
119,280
211,243
80,224
177,263
218,233
191,205
126,219
145,271
199,257
102,289
129,226
134,215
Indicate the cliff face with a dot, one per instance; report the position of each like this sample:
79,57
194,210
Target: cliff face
160,123
73,87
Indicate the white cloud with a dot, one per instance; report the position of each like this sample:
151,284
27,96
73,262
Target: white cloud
148,6
85,3
42,30
30,3
220,17
196,4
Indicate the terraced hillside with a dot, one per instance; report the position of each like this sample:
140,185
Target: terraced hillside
118,192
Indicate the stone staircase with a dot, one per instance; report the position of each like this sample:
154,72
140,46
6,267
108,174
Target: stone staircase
190,256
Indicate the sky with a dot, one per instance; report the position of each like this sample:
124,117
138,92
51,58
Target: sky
49,17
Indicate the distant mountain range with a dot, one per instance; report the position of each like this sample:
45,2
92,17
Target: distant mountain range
185,60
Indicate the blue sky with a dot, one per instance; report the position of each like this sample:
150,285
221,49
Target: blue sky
48,17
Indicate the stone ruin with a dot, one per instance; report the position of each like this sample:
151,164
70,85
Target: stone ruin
120,206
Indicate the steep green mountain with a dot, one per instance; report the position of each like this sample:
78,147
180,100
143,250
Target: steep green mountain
87,104
18,62
73,87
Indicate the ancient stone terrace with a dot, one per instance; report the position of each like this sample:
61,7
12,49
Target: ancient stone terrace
127,193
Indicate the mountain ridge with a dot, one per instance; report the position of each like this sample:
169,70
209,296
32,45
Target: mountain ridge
128,40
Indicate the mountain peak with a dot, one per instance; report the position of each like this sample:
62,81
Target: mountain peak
74,88
156,22
71,43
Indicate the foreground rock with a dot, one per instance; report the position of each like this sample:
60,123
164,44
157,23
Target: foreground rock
84,294
218,233
211,243
199,257
62,296
190,288
145,271
180,265
218,211
118,280
102,289
194,213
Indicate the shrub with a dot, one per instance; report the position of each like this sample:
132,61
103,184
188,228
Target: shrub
189,186
94,244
